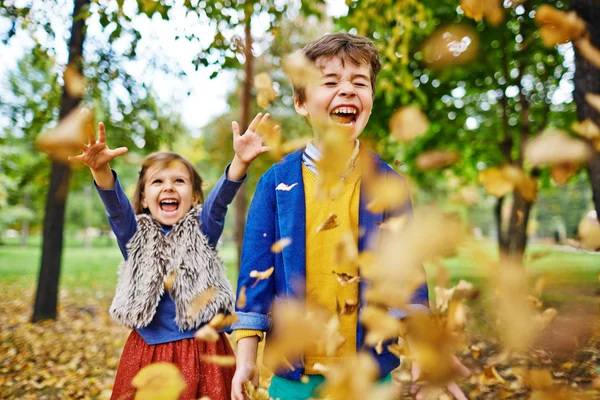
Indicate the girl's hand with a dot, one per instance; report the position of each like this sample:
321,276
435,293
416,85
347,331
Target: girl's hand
250,145
420,393
96,154
243,373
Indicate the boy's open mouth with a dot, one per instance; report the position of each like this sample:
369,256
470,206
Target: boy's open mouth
169,205
344,115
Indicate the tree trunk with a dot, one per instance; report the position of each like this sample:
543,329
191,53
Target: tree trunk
241,200
502,239
26,223
587,80
46,299
517,228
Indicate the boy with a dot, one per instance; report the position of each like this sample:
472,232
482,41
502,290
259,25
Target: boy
284,206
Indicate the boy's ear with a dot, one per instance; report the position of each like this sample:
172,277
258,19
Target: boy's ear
300,107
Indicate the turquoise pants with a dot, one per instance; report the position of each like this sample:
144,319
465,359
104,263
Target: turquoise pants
285,389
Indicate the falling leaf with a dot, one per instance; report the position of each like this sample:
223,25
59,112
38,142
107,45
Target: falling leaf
436,159
264,87
75,83
158,381
495,182
221,321
281,244
594,100
466,195
589,233
346,279
526,186
170,280
450,46
477,10
349,307
490,376
200,301
587,128
561,173
255,393
301,70
69,135
294,144
398,163
329,223
589,51
207,333
558,27
337,147
555,146
346,250
408,123
241,298
380,325
386,194
221,361
261,275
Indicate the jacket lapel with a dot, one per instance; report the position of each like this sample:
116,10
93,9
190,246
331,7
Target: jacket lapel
291,214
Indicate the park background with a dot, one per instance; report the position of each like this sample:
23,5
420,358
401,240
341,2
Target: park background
172,75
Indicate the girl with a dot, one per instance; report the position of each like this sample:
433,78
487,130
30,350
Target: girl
168,243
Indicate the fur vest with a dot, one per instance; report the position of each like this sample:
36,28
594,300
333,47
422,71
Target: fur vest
183,253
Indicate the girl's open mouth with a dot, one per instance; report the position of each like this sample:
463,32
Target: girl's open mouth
169,205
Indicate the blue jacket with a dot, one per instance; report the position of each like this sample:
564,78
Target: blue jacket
275,214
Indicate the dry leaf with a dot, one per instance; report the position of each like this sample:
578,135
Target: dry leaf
265,94
158,381
555,146
495,182
587,128
346,279
241,298
255,393
221,321
346,250
450,45
490,376
386,194
408,123
75,83
349,307
170,280
594,100
380,325
69,135
561,173
207,333
477,10
281,244
526,186
301,70
589,51
329,223
557,26
221,361
337,149
589,233
436,159
200,301
260,275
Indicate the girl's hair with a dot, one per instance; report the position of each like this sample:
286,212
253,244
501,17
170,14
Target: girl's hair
163,159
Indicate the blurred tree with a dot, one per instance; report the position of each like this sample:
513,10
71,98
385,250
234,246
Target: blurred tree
587,80
484,107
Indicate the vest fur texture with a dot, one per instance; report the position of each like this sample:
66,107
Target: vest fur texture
153,256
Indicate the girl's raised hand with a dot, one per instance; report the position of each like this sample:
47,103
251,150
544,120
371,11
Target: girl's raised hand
96,154
250,145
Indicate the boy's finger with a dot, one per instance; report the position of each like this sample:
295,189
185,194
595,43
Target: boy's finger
118,151
235,128
456,392
254,124
101,132
90,134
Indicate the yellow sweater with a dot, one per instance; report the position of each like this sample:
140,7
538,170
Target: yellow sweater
322,286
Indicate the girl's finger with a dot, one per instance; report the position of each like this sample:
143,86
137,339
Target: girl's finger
460,368
264,149
83,147
254,124
235,128
101,132
89,131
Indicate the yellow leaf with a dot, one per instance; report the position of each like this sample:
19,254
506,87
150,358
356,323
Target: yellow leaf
408,123
75,83
589,51
555,146
436,159
207,333
221,361
346,279
329,223
587,128
346,250
260,275
562,172
158,381
281,244
200,301
220,320
69,135
589,233
241,298
448,46
301,70
594,100
495,182
558,26
386,194
170,280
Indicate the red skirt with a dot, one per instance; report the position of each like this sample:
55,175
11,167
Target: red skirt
202,379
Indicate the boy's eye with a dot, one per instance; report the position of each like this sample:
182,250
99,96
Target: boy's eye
330,83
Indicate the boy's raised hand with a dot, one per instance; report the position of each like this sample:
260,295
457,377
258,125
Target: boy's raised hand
96,154
248,146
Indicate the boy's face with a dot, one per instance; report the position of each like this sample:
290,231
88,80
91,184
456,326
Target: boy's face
343,96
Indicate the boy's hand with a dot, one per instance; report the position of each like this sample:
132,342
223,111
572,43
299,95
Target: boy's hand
247,146
420,392
243,373
96,155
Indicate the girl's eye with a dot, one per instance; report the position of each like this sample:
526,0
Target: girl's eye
156,181
179,180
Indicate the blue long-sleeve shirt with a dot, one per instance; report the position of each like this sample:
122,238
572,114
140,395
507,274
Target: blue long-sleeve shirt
122,221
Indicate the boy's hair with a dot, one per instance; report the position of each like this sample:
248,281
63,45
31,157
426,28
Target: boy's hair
163,159
356,49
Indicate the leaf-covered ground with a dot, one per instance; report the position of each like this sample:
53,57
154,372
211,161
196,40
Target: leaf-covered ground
76,357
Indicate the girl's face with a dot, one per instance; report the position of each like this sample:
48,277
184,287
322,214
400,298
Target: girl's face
168,192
